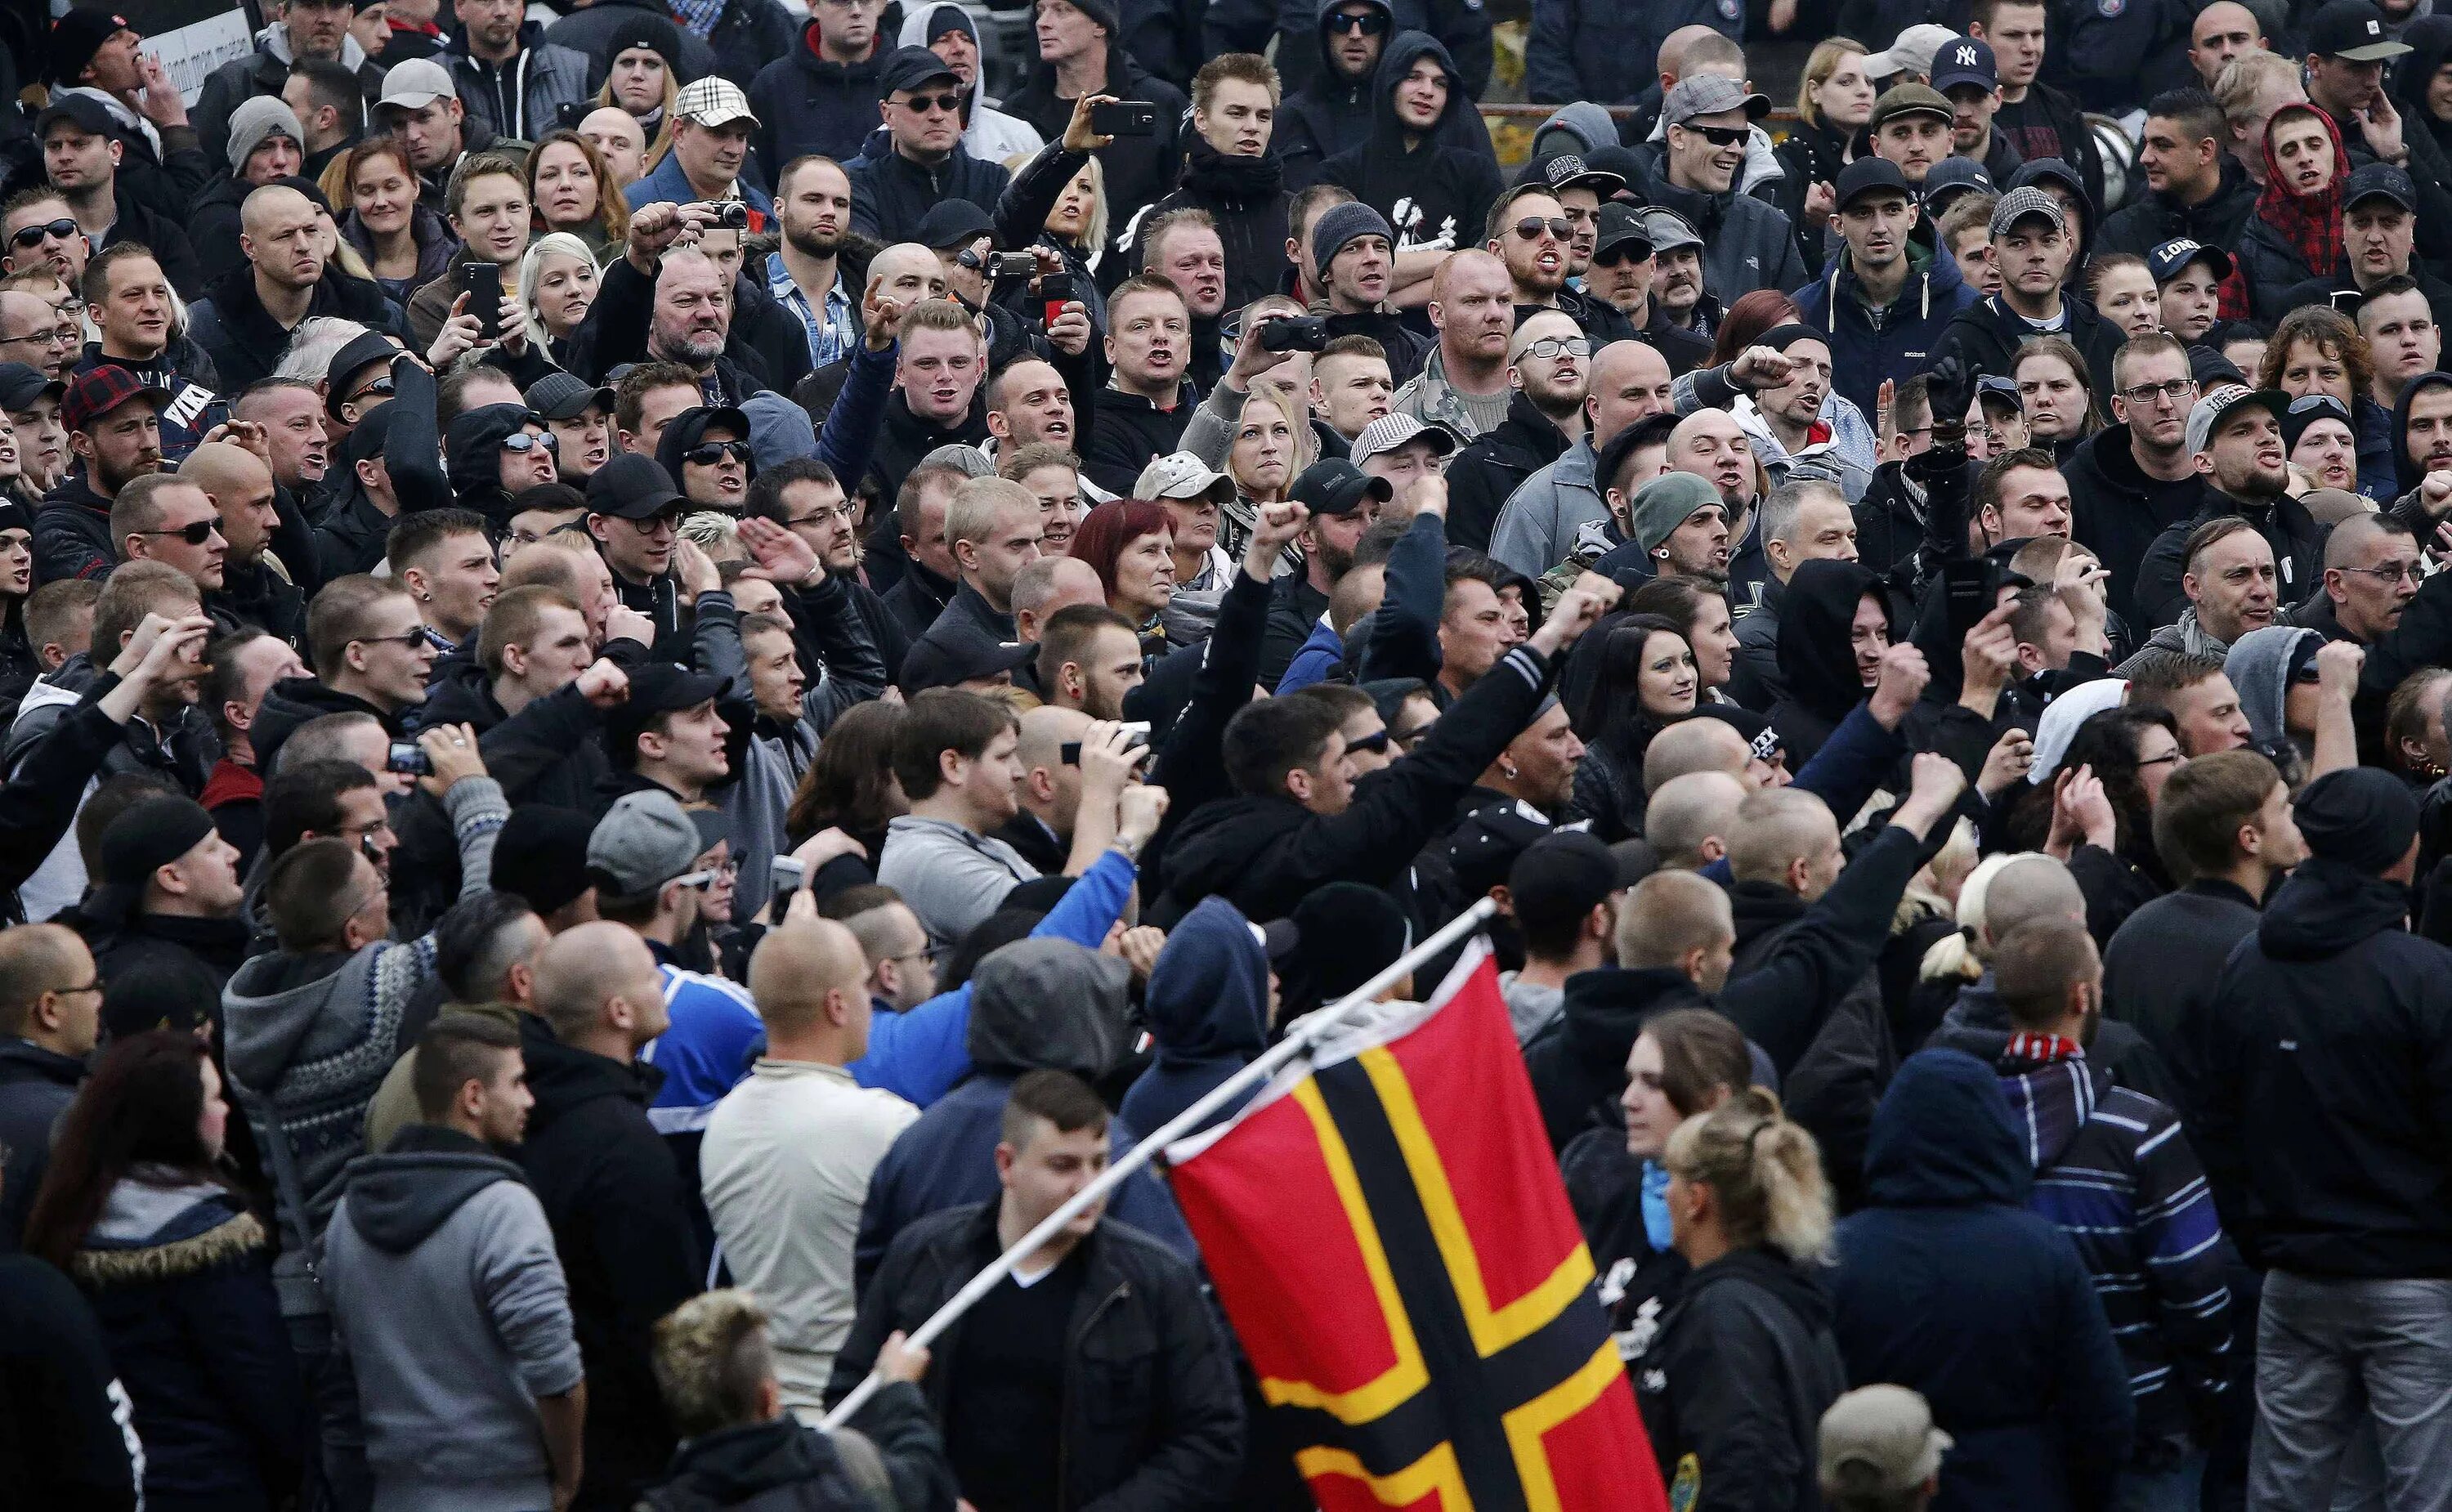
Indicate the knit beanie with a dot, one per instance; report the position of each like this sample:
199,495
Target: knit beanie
1663,504
1341,223
2362,817
261,116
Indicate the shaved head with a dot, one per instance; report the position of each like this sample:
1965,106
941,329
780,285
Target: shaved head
1669,914
581,967
222,468
1454,268
1695,745
797,965
1691,813
270,205
2347,545
1673,48
2031,887
1044,731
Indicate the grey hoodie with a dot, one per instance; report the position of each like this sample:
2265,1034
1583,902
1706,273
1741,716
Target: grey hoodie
311,1037
448,1295
2258,664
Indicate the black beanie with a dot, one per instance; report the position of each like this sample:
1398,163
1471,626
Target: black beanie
540,856
2362,818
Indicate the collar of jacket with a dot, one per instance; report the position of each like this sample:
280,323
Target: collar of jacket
1844,280
1577,464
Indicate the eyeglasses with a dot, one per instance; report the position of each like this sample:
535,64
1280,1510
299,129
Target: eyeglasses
823,514
2164,760
523,444
95,986
1375,742
670,520
1621,256
1718,135
1555,347
1530,227
56,336
2175,390
1369,23
948,103
708,454
407,640
381,388
2391,572
31,236
195,532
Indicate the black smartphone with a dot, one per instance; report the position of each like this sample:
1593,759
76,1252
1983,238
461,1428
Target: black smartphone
410,758
1069,753
482,283
1055,290
1294,333
1968,587
1125,118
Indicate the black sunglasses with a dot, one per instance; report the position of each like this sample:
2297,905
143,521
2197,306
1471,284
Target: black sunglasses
524,443
1530,227
1369,23
949,102
1375,742
383,388
1719,135
712,452
29,236
1621,255
195,534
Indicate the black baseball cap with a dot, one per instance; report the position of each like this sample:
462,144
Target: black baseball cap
910,67
22,383
565,396
952,223
1620,227
632,487
1567,873
2384,179
82,110
956,656
656,688
2165,261
1965,59
1335,486
2352,29
1866,175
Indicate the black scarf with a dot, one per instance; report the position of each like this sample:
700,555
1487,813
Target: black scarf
1237,180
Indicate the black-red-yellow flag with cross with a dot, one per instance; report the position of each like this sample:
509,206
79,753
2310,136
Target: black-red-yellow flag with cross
1390,1236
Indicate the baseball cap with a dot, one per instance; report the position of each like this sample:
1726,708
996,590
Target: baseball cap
910,67
2307,409
715,101
1868,175
2214,409
1912,51
952,223
565,396
415,84
2352,29
1567,874
22,383
1880,1440
1569,171
1335,486
1909,99
2054,170
2212,370
1486,844
1620,227
644,840
150,834
2165,261
1950,176
1669,230
100,389
2027,204
631,487
1710,94
364,350
83,111
957,655
1182,475
2383,179
1395,429
1965,59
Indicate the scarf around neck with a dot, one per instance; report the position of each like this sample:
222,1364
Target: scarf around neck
2312,224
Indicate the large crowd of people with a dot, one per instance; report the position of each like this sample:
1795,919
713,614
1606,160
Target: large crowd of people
665,670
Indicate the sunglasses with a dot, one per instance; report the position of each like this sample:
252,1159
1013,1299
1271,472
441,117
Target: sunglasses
406,639
32,235
1368,23
947,103
1621,256
195,534
1530,227
700,880
380,388
523,444
1718,135
716,451
1375,742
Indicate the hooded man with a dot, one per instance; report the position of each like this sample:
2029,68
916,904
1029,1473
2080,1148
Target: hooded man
1211,1002
1434,193
921,161
947,31
1328,108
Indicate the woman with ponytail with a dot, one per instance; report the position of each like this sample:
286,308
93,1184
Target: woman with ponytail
1735,1387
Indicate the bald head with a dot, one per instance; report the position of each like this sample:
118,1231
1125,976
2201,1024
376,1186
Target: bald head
1469,269
582,970
2355,539
1049,584
1688,818
810,980
2029,888
1044,731
904,269
269,206
1673,48
1669,918
1775,829
221,468
1628,381
1693,745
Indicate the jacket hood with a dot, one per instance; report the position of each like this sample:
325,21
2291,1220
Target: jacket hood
2430,47
2049,1102
472,449
1773,1272
1208,995
564,1079
158,1224
1217,843
398,1198
2324,908
1587,125
1940,1138
274,40
1048,1004
1814,656
2258,665
1603,1011
271,1005
919,24
2407,474
1403,50
734,1466
1327,60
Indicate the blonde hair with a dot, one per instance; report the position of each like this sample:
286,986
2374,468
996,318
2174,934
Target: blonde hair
1766,1172
2245,77
553,243
1819,65
1094,236
712,1359
664,142
1280,395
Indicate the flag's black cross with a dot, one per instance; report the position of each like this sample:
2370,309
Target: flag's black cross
1468,1394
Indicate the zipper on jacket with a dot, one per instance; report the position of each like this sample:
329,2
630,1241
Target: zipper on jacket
1064,1407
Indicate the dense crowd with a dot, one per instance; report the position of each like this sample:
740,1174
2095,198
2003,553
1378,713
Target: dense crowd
665,670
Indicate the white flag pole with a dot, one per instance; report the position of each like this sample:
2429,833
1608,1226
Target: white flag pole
1298,1040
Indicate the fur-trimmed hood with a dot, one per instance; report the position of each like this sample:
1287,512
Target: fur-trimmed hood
158,1225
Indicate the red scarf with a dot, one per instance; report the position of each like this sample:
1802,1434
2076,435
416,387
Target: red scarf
2041,1049
2312,224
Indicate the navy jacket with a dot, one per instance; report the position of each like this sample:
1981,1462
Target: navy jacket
805,104
1207,1003
1948,1283
1861,356
1610,52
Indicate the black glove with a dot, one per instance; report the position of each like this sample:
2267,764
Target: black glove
1951,384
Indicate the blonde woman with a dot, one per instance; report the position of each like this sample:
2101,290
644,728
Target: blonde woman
1735,1384
556,287
1059,199
1272,442
572,188
1835,99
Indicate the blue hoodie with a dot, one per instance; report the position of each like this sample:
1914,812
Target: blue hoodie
1207,1004
1948,1283
1861,356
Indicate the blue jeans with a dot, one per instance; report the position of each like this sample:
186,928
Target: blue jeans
2174,1489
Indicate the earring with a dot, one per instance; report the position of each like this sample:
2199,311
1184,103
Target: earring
1507,770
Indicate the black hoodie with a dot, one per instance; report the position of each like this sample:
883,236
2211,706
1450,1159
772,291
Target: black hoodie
2117,511
1431,189
1247,198
784,1465
1816,661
